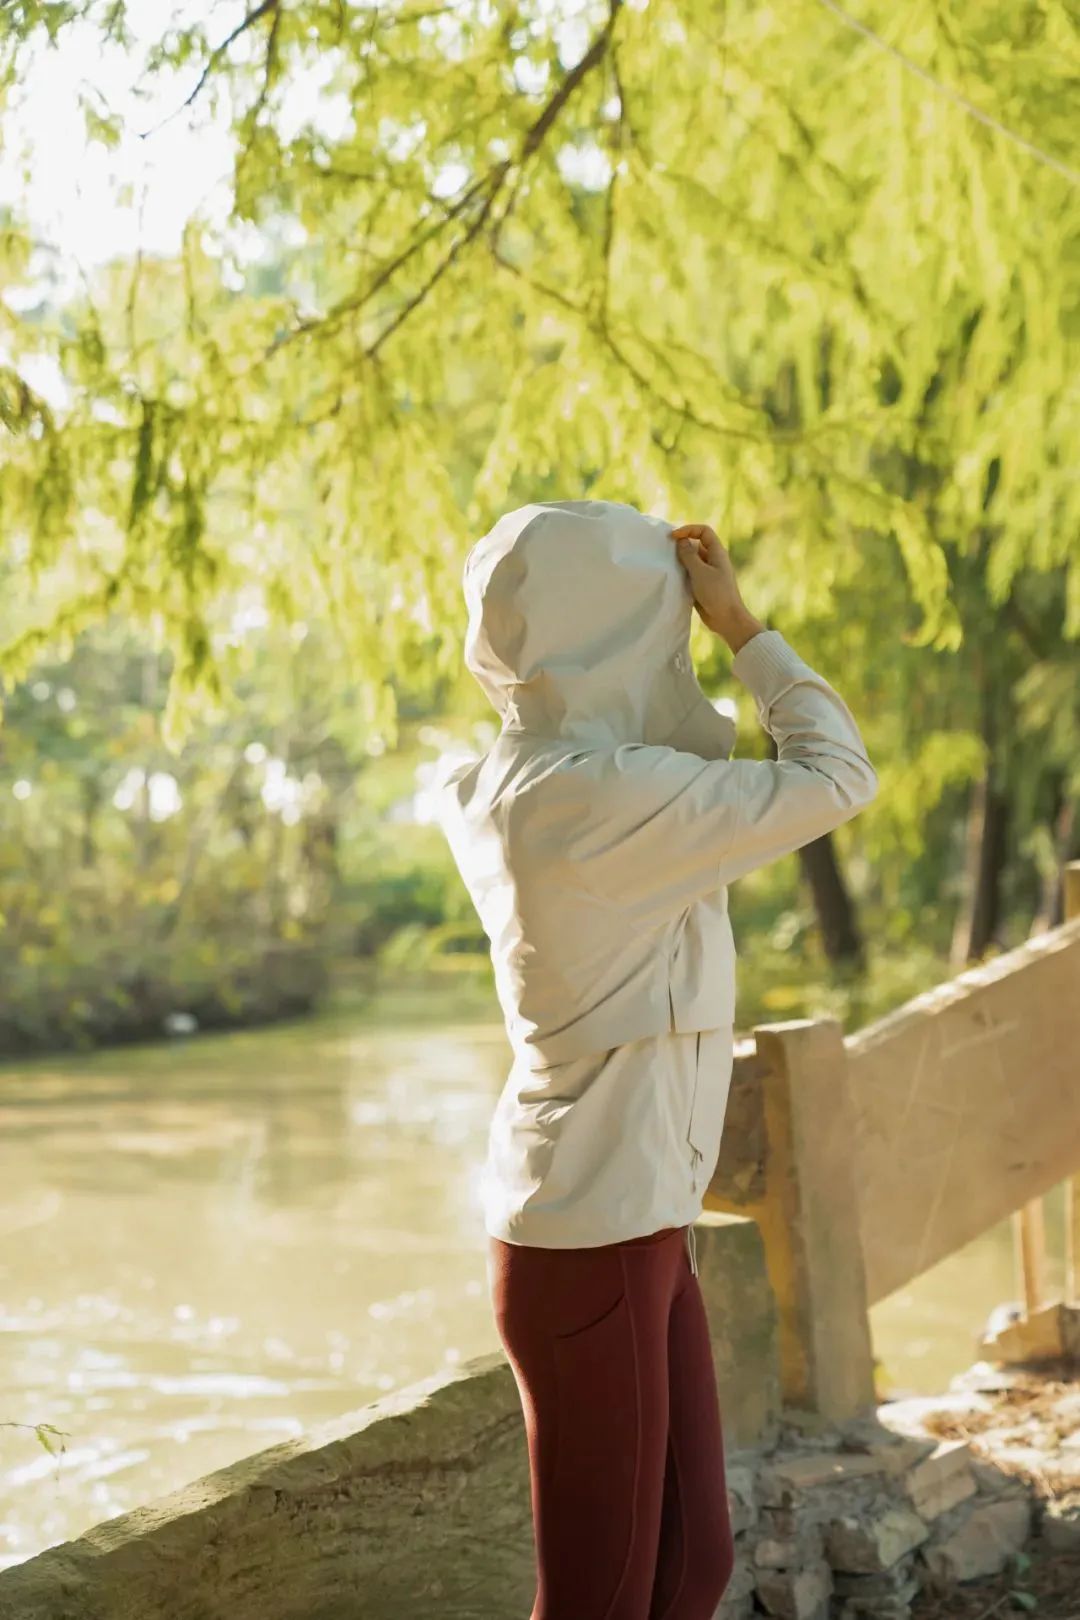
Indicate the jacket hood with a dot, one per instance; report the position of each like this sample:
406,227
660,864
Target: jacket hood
579,617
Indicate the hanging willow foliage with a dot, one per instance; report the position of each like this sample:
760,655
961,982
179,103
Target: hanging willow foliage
714,257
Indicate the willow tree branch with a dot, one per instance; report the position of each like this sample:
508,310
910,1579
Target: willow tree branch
493,183
211,62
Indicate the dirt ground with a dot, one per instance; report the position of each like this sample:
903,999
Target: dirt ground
1043,1583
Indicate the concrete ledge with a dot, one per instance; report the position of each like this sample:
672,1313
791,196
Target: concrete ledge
420,1499
415,1505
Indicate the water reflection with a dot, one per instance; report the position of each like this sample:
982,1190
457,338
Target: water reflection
205,1248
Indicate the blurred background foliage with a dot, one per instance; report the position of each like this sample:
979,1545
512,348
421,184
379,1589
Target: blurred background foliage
723,260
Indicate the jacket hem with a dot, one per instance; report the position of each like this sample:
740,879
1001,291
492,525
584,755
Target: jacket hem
507,1232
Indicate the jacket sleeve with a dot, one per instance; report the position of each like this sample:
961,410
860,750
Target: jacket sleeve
671,826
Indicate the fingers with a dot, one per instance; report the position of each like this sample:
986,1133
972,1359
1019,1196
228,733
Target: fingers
688,552
696,531
698,541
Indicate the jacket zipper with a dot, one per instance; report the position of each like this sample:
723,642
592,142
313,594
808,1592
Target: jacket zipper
696,1155
695,1151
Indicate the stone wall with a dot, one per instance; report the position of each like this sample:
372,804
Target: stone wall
851,1522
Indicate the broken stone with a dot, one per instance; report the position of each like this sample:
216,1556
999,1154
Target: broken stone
887,1609
982,1544
897,1451
941,1480
864,1546
888,1583
735,1606
785,1482
742,1499
883,1597
771,1553
850,1497
781,1522
991,1481
743,1577
796,1594
796,1423
790,1552
1060,1527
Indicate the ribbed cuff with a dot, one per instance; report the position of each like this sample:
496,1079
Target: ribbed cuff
764,660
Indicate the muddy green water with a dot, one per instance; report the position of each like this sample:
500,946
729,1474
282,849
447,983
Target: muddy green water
207,1246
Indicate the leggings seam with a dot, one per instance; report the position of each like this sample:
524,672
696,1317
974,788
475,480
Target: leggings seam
677,1594
637,1451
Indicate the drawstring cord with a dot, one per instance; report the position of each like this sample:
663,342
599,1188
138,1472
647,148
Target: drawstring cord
691,1247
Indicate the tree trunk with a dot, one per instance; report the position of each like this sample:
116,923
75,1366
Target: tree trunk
90,793
979,917
986,908
1066,828
835,912
840,934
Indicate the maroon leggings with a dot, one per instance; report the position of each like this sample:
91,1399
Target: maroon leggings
610,1349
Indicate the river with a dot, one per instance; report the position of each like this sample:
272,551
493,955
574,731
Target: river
209,1245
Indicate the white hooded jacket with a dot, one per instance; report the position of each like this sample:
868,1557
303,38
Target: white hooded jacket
596,838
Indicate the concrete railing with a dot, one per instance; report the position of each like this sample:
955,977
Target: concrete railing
967,1106
867,1159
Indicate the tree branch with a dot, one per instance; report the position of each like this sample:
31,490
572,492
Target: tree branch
211,62
492,183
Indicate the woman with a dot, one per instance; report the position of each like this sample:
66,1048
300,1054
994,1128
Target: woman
597,837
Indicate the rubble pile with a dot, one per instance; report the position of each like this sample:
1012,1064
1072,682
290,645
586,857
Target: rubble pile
854,1522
